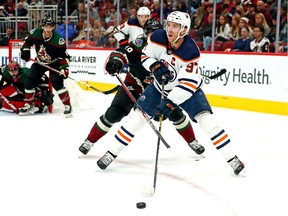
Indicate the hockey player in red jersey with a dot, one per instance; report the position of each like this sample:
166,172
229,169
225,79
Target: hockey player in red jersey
171,55
50,50
137,79
12,79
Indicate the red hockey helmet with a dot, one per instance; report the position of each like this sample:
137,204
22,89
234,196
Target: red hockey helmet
13,65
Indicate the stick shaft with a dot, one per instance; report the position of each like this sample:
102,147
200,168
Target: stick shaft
15,109
142,111
158,143
81,82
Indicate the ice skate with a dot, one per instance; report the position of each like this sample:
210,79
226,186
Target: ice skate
28,109
67,111
236,165
86,146
196,147
105,160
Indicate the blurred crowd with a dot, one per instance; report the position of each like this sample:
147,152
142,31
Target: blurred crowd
238,22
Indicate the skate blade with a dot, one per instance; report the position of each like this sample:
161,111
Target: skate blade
68,115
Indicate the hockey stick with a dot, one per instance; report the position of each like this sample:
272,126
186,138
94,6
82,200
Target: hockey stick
142,111
15,109
158,142
81,82
222,71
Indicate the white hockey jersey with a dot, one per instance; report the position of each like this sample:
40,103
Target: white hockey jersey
128,31
183,64
260,46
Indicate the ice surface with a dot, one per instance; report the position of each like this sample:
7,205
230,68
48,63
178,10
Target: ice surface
44,174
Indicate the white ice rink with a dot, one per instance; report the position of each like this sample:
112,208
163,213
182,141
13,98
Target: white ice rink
44,174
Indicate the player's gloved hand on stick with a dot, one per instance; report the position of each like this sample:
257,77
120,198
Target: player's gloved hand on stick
25,54
161,72
115,62
165,108
64,72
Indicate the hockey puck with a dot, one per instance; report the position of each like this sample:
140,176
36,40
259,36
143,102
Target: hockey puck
141,205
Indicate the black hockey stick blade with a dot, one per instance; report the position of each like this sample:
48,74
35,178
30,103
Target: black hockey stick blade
81,82
101,91
217,74
111,90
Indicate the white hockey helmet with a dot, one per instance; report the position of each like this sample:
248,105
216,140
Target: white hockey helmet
181,18
143,11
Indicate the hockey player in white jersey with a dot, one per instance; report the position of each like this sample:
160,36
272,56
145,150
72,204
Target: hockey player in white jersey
133,28
172,56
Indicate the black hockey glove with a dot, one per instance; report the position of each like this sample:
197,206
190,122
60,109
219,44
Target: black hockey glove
166,107
161,72
25,54
115,62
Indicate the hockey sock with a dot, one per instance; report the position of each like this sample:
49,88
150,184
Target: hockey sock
64,96
184,128
217,134
29,95
99,129
127,132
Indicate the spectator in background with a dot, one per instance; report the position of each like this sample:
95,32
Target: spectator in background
222,29
71,30
181,6
260,20
235,32
208,9
3,12
21,11
25,4
36,3
10,6
166,11
226,12
272,33
111,16
283,36
260,43
261,8
98,39
85,33
61,8
198,17
9,36
205,32
243,22
92,10
104,5
132,13
79,11
49,2
22,31
250,13
240,10
243,43
283,48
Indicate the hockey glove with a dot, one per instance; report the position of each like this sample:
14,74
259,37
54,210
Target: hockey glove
64,73
47,98
166,107
161,72
25,54
115,62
